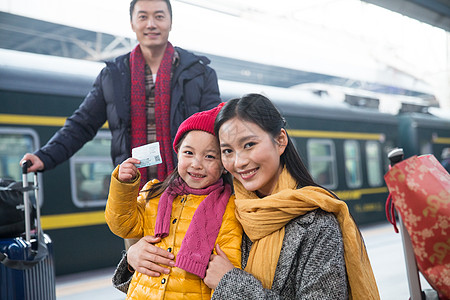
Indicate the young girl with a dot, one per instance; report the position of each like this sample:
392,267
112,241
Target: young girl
191,211
300,241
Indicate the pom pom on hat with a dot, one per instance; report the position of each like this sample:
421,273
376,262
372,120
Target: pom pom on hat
203,121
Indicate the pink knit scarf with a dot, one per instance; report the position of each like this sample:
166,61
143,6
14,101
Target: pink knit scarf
162,108
138,112
203,230
162,112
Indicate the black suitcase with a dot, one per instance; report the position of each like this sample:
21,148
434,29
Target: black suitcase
27,269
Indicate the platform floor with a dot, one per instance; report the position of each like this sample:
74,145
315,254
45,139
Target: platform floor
384,248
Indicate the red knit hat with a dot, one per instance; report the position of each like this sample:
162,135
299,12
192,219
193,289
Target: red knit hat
203,121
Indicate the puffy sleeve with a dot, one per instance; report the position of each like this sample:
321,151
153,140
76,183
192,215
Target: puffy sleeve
125,208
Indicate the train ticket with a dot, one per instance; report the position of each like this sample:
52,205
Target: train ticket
149,155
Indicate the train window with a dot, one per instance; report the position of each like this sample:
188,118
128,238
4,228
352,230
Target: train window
352,164
90,172
14,143
374,171
322,162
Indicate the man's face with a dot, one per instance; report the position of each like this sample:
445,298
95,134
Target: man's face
152,23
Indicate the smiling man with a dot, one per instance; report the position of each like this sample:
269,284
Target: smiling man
144,95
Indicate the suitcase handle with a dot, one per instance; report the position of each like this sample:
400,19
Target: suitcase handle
25,165
36,249
26,199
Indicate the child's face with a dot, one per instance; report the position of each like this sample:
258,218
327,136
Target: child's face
199,161
251,155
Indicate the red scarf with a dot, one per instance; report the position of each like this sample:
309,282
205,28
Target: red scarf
203,230
162,108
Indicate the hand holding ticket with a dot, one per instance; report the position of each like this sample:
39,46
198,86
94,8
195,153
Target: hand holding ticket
149,155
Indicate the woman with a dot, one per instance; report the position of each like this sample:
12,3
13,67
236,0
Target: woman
300,241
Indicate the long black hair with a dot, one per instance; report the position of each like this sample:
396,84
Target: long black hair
258,109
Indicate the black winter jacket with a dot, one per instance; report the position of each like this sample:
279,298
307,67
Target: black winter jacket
194,88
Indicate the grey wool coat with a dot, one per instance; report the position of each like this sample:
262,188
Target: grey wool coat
311,265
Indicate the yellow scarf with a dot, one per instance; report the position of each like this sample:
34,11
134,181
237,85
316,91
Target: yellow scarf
264,219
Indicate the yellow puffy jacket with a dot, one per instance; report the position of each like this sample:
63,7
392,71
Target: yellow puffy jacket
129,218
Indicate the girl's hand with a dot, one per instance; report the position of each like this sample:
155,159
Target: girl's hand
127,170
218,266
148,259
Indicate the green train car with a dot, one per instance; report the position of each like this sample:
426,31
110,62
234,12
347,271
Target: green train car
343,146
37,94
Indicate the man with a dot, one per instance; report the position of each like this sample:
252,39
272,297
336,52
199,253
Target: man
144,95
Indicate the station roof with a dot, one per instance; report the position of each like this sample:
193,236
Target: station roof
37,36
433,12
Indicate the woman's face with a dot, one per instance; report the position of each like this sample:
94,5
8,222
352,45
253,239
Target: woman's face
199,159
252,155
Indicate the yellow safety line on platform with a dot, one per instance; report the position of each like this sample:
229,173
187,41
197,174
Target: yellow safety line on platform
82,287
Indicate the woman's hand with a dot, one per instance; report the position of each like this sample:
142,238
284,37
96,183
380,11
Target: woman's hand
218,266
149,259
127,170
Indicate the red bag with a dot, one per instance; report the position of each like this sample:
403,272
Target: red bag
420,190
